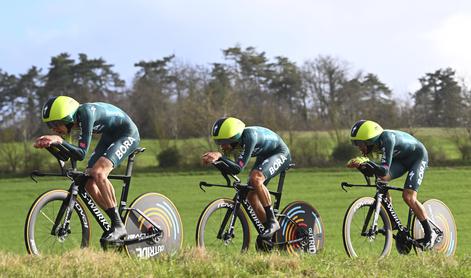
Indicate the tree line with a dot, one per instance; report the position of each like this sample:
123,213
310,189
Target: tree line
169,99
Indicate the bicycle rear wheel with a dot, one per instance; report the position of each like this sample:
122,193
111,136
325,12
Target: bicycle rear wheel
357,240
300,220
164,214
441,215
40,235
213,226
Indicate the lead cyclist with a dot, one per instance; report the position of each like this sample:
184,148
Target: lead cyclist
119,138
401,153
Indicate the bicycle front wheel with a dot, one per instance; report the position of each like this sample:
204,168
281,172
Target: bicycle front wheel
439,214
169,231
213,231
358,238
42,236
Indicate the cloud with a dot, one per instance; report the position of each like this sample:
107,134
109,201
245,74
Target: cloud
452,44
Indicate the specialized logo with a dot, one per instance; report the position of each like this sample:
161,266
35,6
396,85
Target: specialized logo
411,174
276,165
46,111
215,128
124,147
423,165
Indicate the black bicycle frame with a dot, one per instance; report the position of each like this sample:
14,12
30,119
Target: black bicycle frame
382,190
380,199
77,188
240,198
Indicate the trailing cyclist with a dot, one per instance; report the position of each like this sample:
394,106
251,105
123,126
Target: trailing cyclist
120,137
272,157
401,153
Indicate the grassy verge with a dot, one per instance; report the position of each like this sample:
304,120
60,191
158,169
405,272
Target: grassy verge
193,262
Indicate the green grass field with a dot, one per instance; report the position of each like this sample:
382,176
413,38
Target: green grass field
320,188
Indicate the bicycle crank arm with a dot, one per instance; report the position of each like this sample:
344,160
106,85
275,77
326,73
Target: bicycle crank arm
138,238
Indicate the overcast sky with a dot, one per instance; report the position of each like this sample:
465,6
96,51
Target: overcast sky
398,40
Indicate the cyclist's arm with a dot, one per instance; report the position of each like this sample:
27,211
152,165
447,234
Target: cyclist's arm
240,163
85,121
382,169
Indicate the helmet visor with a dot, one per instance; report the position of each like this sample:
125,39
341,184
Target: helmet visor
53,124
225,141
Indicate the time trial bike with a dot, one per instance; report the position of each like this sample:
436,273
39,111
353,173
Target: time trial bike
223,224
57,220
370,222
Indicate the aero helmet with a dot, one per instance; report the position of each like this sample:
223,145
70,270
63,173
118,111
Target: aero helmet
365,131
227,130
59,109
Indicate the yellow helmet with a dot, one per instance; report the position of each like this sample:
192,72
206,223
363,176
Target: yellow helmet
59,109
227,130
365,131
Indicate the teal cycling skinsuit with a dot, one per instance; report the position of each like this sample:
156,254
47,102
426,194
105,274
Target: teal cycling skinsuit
401,152
272,154
119,138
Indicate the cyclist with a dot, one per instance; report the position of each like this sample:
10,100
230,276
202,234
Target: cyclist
272,157
120,137
401,153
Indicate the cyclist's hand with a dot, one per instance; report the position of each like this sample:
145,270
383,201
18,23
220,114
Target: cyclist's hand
46,140
210,157
357,161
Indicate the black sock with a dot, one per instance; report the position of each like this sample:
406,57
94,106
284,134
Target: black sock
269,213
114,216
427,229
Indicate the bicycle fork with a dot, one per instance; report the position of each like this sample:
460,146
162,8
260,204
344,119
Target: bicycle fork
65,212
230,215
373,230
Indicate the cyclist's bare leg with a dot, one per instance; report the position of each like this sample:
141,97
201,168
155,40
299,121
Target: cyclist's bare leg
95,193
100,171
256,180
410,197
254,201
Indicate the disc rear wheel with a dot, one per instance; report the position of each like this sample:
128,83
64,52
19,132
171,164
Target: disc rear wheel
439,214
166,238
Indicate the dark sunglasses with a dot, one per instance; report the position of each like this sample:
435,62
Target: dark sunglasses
53,124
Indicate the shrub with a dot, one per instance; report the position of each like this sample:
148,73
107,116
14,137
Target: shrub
309,151
344,151
436,155
465,151
169,157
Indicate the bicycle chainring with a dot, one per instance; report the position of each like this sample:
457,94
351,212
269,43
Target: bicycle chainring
403,244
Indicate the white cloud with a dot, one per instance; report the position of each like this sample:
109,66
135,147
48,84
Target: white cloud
452,43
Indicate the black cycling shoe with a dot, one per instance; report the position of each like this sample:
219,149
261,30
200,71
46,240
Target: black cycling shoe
271,227
119,232
427,243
